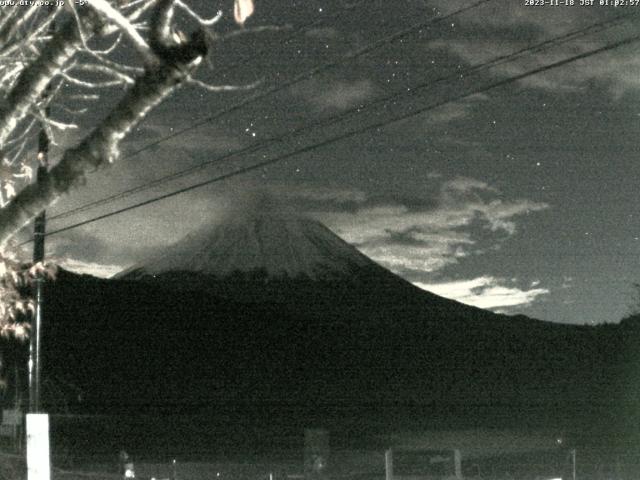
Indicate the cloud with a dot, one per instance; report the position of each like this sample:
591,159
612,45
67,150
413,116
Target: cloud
90,268
504,27
621,72
126,239
485,292
412,235
453,111
92,252
319,194
337,95
428,235
322,33
429,256
209,138
465,185
507,19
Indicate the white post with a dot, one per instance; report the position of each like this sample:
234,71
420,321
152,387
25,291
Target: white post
38,461
457,463
388,464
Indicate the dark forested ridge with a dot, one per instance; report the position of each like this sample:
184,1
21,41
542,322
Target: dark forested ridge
373,349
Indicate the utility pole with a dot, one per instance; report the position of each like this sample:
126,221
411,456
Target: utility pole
39,231
37,423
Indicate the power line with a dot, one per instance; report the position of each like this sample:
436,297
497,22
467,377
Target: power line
332,120
310,73
376,125
472,70
297,79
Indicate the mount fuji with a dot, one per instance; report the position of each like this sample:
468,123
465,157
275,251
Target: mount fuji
261,252
258,240
274,315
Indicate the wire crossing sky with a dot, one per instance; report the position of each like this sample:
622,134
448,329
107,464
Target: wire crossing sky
408,92
518,198
329,141
279,87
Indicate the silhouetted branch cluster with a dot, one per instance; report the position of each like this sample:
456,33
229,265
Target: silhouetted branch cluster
55,64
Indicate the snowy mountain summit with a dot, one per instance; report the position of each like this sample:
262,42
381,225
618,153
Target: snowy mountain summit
259,236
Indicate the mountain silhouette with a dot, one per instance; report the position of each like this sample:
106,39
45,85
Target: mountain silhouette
272,316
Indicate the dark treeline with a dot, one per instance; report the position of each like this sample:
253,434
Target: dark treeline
373,355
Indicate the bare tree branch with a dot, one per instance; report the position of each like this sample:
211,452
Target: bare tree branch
146,5
86,84
103,70
9,49
34,79
101,146
11,27
222,88
207,22
24,132
125,25
42,70
115,65
161,37
8,16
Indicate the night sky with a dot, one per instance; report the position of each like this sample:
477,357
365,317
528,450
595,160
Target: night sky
520,198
